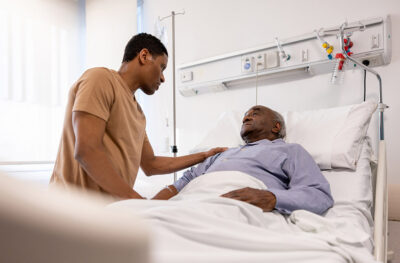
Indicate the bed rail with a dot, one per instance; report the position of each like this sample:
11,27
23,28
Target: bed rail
381,207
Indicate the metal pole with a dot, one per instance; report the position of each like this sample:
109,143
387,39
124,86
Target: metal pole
381,198
174,147
173,14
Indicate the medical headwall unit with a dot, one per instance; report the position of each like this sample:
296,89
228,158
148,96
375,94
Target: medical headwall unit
302,55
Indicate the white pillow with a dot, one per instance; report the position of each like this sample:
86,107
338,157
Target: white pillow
316,131
226,133
332,136
349,141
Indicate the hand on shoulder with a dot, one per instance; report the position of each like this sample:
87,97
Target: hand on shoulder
214,151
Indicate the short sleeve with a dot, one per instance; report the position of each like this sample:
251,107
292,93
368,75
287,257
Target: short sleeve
95,93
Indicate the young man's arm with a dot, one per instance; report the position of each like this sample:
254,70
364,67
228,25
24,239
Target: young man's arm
91,155
152,165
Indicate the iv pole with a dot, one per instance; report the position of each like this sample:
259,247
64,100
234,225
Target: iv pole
174,148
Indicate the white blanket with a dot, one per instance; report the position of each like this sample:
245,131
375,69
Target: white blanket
198,225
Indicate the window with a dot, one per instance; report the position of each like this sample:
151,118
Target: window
40,58
139,15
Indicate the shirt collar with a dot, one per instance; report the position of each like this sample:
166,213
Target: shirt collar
266,142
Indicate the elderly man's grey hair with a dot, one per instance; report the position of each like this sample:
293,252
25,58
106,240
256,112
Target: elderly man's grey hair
279,118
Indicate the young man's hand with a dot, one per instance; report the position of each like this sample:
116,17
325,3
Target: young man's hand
214,151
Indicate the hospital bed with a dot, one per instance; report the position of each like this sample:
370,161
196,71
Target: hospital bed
200,226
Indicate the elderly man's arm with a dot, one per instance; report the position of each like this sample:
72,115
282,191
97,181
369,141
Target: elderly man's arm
188,176
166,193
308,189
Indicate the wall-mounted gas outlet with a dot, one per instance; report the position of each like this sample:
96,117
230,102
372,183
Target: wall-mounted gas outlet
247,63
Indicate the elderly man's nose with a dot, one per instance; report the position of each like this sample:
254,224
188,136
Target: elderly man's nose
246,118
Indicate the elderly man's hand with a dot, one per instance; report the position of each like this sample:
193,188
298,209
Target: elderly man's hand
262,198
214,151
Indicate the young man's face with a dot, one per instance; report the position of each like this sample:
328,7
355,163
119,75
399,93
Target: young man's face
153,72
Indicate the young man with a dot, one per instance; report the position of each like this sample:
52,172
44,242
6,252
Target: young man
104,139
293,178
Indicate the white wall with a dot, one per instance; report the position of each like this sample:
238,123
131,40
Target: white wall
213,27
109,26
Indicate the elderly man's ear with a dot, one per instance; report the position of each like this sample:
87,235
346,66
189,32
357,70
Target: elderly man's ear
276,129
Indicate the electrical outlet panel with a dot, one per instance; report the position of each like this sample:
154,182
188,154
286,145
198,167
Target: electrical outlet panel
304,55
375,41
186,76
272,60
260,61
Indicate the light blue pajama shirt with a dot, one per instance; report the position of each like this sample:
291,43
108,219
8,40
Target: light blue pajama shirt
287,169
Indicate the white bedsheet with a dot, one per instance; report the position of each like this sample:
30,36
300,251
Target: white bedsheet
199,226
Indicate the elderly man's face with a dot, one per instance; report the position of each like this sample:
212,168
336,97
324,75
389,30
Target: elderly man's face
258,124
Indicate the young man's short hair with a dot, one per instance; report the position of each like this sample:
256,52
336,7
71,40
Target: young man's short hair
141,41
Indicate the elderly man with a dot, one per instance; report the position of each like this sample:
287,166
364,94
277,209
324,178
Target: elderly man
293,178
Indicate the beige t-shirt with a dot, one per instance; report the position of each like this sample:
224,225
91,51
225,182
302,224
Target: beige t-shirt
102,93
